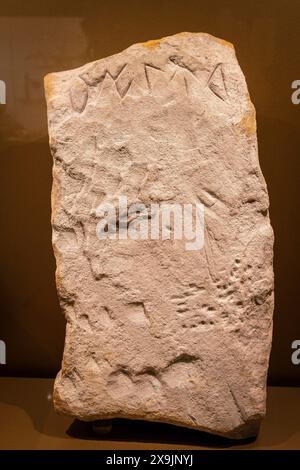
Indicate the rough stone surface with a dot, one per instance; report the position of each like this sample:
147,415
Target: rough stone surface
154,331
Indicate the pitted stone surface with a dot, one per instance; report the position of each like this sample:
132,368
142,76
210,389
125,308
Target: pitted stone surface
154,331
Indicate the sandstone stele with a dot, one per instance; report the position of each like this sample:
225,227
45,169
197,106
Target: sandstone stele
155,331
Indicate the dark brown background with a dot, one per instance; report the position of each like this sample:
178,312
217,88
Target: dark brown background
36,39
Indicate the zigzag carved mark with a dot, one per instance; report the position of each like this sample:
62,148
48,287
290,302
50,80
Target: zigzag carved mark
125,91
181,64
218,87
150,66
93,81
